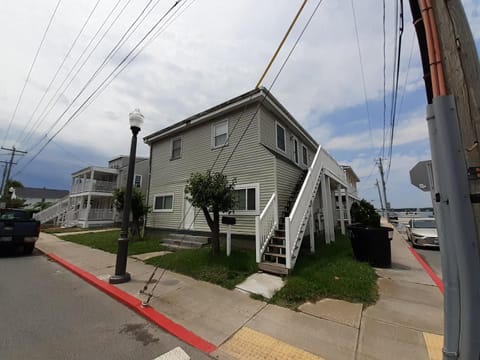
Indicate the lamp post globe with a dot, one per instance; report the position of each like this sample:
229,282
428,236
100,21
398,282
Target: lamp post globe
121,275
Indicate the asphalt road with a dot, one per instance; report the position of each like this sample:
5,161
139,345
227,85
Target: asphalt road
431,256
49,313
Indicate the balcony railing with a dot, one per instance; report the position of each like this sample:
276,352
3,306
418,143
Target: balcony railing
94,186
96,214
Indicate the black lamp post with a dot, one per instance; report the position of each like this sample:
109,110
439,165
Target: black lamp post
121,276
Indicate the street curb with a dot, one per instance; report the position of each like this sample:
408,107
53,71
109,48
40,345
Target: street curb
136,305
428,269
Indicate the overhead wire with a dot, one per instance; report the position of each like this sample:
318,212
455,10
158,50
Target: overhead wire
49,105
367,108
59,68
395,84
115,49
30,71
103,82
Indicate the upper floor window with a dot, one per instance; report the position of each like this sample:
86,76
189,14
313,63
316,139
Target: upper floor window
280,137
137,181
163,203
220,134
304,155
176,148
295,150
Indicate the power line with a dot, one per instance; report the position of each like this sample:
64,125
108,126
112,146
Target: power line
384,79
99,87
30,70
44,112
362,73
99,69
59,68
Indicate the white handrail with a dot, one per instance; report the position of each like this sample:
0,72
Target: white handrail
53,211
265,226
295,223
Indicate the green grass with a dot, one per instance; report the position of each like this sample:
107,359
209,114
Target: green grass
331,272
226,271
107,241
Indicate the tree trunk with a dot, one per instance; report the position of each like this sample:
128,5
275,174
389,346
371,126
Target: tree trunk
135,230
216,233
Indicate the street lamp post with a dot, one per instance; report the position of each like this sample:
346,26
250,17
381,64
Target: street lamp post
121,276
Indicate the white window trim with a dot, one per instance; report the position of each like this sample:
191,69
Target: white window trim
277,124
256,186
212,131
181,148
141,179
163,194
306,157
295,140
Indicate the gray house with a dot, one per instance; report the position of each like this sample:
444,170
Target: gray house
278,169
90,202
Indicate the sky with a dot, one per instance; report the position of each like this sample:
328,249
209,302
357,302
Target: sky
201,53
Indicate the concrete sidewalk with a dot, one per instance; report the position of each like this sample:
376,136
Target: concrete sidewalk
406,322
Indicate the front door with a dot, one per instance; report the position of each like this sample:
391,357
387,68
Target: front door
189,215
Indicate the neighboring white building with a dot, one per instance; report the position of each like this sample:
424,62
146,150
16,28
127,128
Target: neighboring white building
90,202
286,183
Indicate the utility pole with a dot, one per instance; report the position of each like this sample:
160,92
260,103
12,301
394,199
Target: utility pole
452,79
379,195
380,167
13,150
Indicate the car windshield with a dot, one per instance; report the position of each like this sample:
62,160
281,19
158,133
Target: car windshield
425,224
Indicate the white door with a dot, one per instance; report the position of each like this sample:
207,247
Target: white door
189,215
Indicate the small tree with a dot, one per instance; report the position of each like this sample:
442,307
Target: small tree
138,208
212,193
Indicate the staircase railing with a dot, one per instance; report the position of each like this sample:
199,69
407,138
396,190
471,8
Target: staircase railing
296,222
265,226
53,211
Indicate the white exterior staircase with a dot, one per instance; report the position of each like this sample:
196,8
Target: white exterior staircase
278,241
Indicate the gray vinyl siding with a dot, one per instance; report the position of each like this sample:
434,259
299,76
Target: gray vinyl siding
287,177
268,137
141,168
250,164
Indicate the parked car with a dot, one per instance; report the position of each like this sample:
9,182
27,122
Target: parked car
18,230
423,232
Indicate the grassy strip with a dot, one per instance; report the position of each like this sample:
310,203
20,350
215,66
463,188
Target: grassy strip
202,265
107,241
330,272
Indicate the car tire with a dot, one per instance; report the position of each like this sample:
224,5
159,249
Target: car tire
28,248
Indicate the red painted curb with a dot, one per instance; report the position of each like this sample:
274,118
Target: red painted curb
428,269
135,304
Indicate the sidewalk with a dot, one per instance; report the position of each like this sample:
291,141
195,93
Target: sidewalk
404,324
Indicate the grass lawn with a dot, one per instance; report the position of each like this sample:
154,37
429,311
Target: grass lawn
200,264
331,272
107,241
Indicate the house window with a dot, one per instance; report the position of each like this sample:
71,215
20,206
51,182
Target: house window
295,150
280,137
220,134
176,148
137,181
246,198
304,155
163,203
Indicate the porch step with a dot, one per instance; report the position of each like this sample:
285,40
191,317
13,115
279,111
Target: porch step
273,268
184,241
278,255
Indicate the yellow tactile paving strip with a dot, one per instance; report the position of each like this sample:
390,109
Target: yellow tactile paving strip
434,345
249,344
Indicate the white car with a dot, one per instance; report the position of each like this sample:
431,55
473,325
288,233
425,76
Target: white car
423,232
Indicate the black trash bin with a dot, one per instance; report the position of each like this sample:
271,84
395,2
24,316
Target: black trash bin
380,254
371,244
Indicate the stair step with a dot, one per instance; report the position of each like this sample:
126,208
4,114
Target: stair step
273,268
277,246
275,254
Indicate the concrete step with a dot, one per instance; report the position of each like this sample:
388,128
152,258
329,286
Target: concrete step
273,268
184,241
